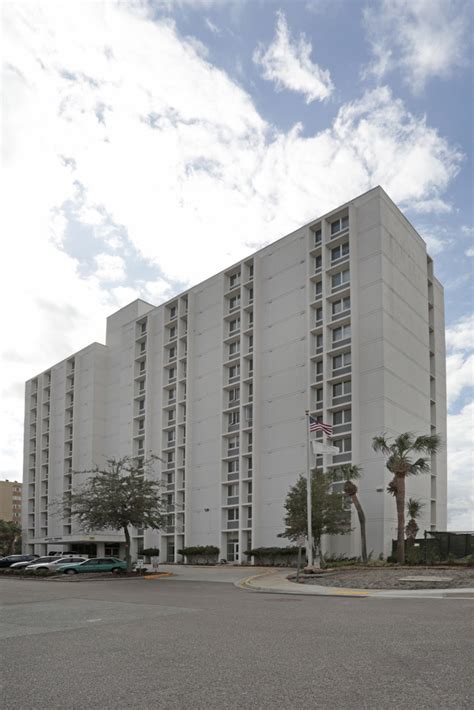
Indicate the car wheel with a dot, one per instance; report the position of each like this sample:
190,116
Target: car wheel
70,571
41,570
117,570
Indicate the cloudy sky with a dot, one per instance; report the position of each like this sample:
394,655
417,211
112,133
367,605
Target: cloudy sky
139,136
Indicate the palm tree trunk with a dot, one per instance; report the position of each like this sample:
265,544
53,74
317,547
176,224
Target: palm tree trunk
128,556
363,536
400,499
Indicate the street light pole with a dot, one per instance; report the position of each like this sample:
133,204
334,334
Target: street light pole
308,494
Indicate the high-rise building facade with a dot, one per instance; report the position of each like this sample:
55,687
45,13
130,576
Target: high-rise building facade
342,317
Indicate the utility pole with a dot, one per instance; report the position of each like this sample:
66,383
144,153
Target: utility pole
308,493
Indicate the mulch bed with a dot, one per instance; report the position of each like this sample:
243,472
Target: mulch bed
383,578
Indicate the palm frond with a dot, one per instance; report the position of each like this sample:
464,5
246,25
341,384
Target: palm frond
404,442
414,506
427,444
381,443
421,465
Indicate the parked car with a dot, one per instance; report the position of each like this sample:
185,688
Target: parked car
9,560
53,564
99,564
25,563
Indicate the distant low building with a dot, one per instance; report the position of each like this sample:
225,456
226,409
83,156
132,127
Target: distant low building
343,317
10,501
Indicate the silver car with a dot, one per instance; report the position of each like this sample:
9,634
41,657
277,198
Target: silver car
53,564
26,563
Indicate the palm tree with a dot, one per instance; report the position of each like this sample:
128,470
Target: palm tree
400,453
414,507
350,474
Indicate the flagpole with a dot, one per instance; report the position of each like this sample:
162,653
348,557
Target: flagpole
309,551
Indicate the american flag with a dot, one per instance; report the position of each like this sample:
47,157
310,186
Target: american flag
315,425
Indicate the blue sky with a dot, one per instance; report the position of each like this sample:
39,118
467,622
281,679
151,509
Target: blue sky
147,145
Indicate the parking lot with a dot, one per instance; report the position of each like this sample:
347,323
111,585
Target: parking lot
180,643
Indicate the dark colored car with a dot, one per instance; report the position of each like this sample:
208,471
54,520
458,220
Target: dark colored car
11,559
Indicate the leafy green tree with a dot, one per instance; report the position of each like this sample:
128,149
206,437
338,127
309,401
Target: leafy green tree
401,454
10,537
414,507
118,497
329,517
349,473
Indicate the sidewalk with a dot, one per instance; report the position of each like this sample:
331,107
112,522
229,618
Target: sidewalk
275,582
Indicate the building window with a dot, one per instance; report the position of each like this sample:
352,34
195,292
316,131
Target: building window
341,333
234,302
234,418
171,437
171,354
342,277
141,405
318,262
340,251
173,312
171,394
343,304
318,289
342,388
319,396
319,315
234,394
344,416
319,367
338,225
172,333
233,443
233,490
234,372
234,279
234,325
234,348
344,445
171,415
342,360
317,237
319,341
233,514
233,466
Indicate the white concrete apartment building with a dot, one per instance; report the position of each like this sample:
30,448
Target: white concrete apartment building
343,317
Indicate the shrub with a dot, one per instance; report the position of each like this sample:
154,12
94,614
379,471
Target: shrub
150,552
277,556
206,552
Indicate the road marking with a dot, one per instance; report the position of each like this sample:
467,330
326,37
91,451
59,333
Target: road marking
158,576
91,620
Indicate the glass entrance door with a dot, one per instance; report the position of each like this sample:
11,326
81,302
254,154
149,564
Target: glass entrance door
233,549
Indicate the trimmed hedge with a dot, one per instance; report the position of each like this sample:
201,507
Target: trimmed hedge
275,555
207,553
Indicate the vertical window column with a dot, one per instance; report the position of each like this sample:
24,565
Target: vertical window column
68,442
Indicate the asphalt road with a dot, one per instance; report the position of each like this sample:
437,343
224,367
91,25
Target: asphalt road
172,644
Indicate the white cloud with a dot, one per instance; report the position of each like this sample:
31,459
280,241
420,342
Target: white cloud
122,120
212,27
110,268
470,251
460,336
461,468
422,39
288,64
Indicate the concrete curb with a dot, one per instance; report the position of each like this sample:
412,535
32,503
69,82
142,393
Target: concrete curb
276,583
